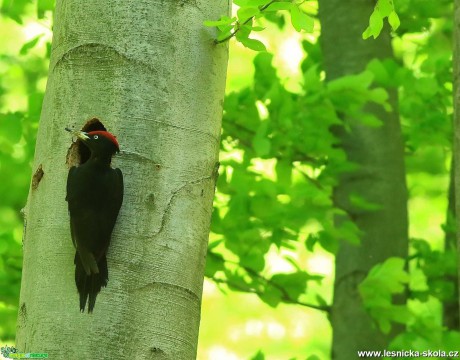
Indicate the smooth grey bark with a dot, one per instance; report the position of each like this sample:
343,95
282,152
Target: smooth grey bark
149,70
380,179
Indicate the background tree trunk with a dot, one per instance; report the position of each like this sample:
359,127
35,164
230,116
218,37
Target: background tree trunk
151,72
380,179
456,93
450,314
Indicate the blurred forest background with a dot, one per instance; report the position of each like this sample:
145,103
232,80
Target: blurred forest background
271,258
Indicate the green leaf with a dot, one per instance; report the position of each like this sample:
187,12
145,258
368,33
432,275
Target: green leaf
360,203
261,146
328,242
43,6
294,284
300,20
385,7
246,13
271,296
252,44
426,86
320,300
224,29
360,81
367,33
311,241
393,20
280,6
370,120
14,9
224,35
250,3
265,76
224,20
283,170
259,356
214,263
29,45
11,127
382,282
375,25
380,96
312,357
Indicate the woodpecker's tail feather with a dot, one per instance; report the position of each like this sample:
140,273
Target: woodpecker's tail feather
89,286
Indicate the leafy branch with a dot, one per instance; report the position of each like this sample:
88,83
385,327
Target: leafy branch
237,26
383,9
241,26
275,282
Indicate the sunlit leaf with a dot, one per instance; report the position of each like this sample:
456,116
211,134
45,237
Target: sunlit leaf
393,20
252,44
30,45
224,20
300,20
245,13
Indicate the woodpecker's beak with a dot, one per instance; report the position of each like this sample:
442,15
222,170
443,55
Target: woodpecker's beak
82,135
79,134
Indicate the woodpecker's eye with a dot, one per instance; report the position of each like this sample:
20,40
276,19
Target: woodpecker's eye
95,137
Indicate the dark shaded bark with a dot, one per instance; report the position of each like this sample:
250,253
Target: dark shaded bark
380,178
456,73
450,307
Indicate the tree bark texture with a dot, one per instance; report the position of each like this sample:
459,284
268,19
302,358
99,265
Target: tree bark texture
456,93
450,313
150,71
380,178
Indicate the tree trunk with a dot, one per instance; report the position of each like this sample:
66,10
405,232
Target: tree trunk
380,179
450,313
149,70
456,92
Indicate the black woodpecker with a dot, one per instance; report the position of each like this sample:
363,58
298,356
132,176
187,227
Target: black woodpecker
94,196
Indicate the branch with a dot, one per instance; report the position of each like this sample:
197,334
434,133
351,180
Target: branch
238,26
314,181
285,297
297,156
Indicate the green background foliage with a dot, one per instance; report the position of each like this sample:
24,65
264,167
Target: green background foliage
273,237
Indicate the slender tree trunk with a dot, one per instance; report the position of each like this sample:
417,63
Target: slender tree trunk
380,179
450,313
456,82
149,70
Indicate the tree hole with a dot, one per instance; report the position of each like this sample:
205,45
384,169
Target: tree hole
78,153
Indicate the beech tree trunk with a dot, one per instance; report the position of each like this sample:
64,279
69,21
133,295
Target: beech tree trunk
450,311
456,154
380,179
149,70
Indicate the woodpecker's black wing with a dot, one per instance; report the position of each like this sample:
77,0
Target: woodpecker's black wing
114,201
94,198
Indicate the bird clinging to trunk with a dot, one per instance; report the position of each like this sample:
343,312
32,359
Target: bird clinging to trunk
94,196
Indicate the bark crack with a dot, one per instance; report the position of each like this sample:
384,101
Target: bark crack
64,56
201,132
139,156
173,195
169,285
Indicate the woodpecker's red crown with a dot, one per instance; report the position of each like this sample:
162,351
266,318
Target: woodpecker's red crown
107,135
